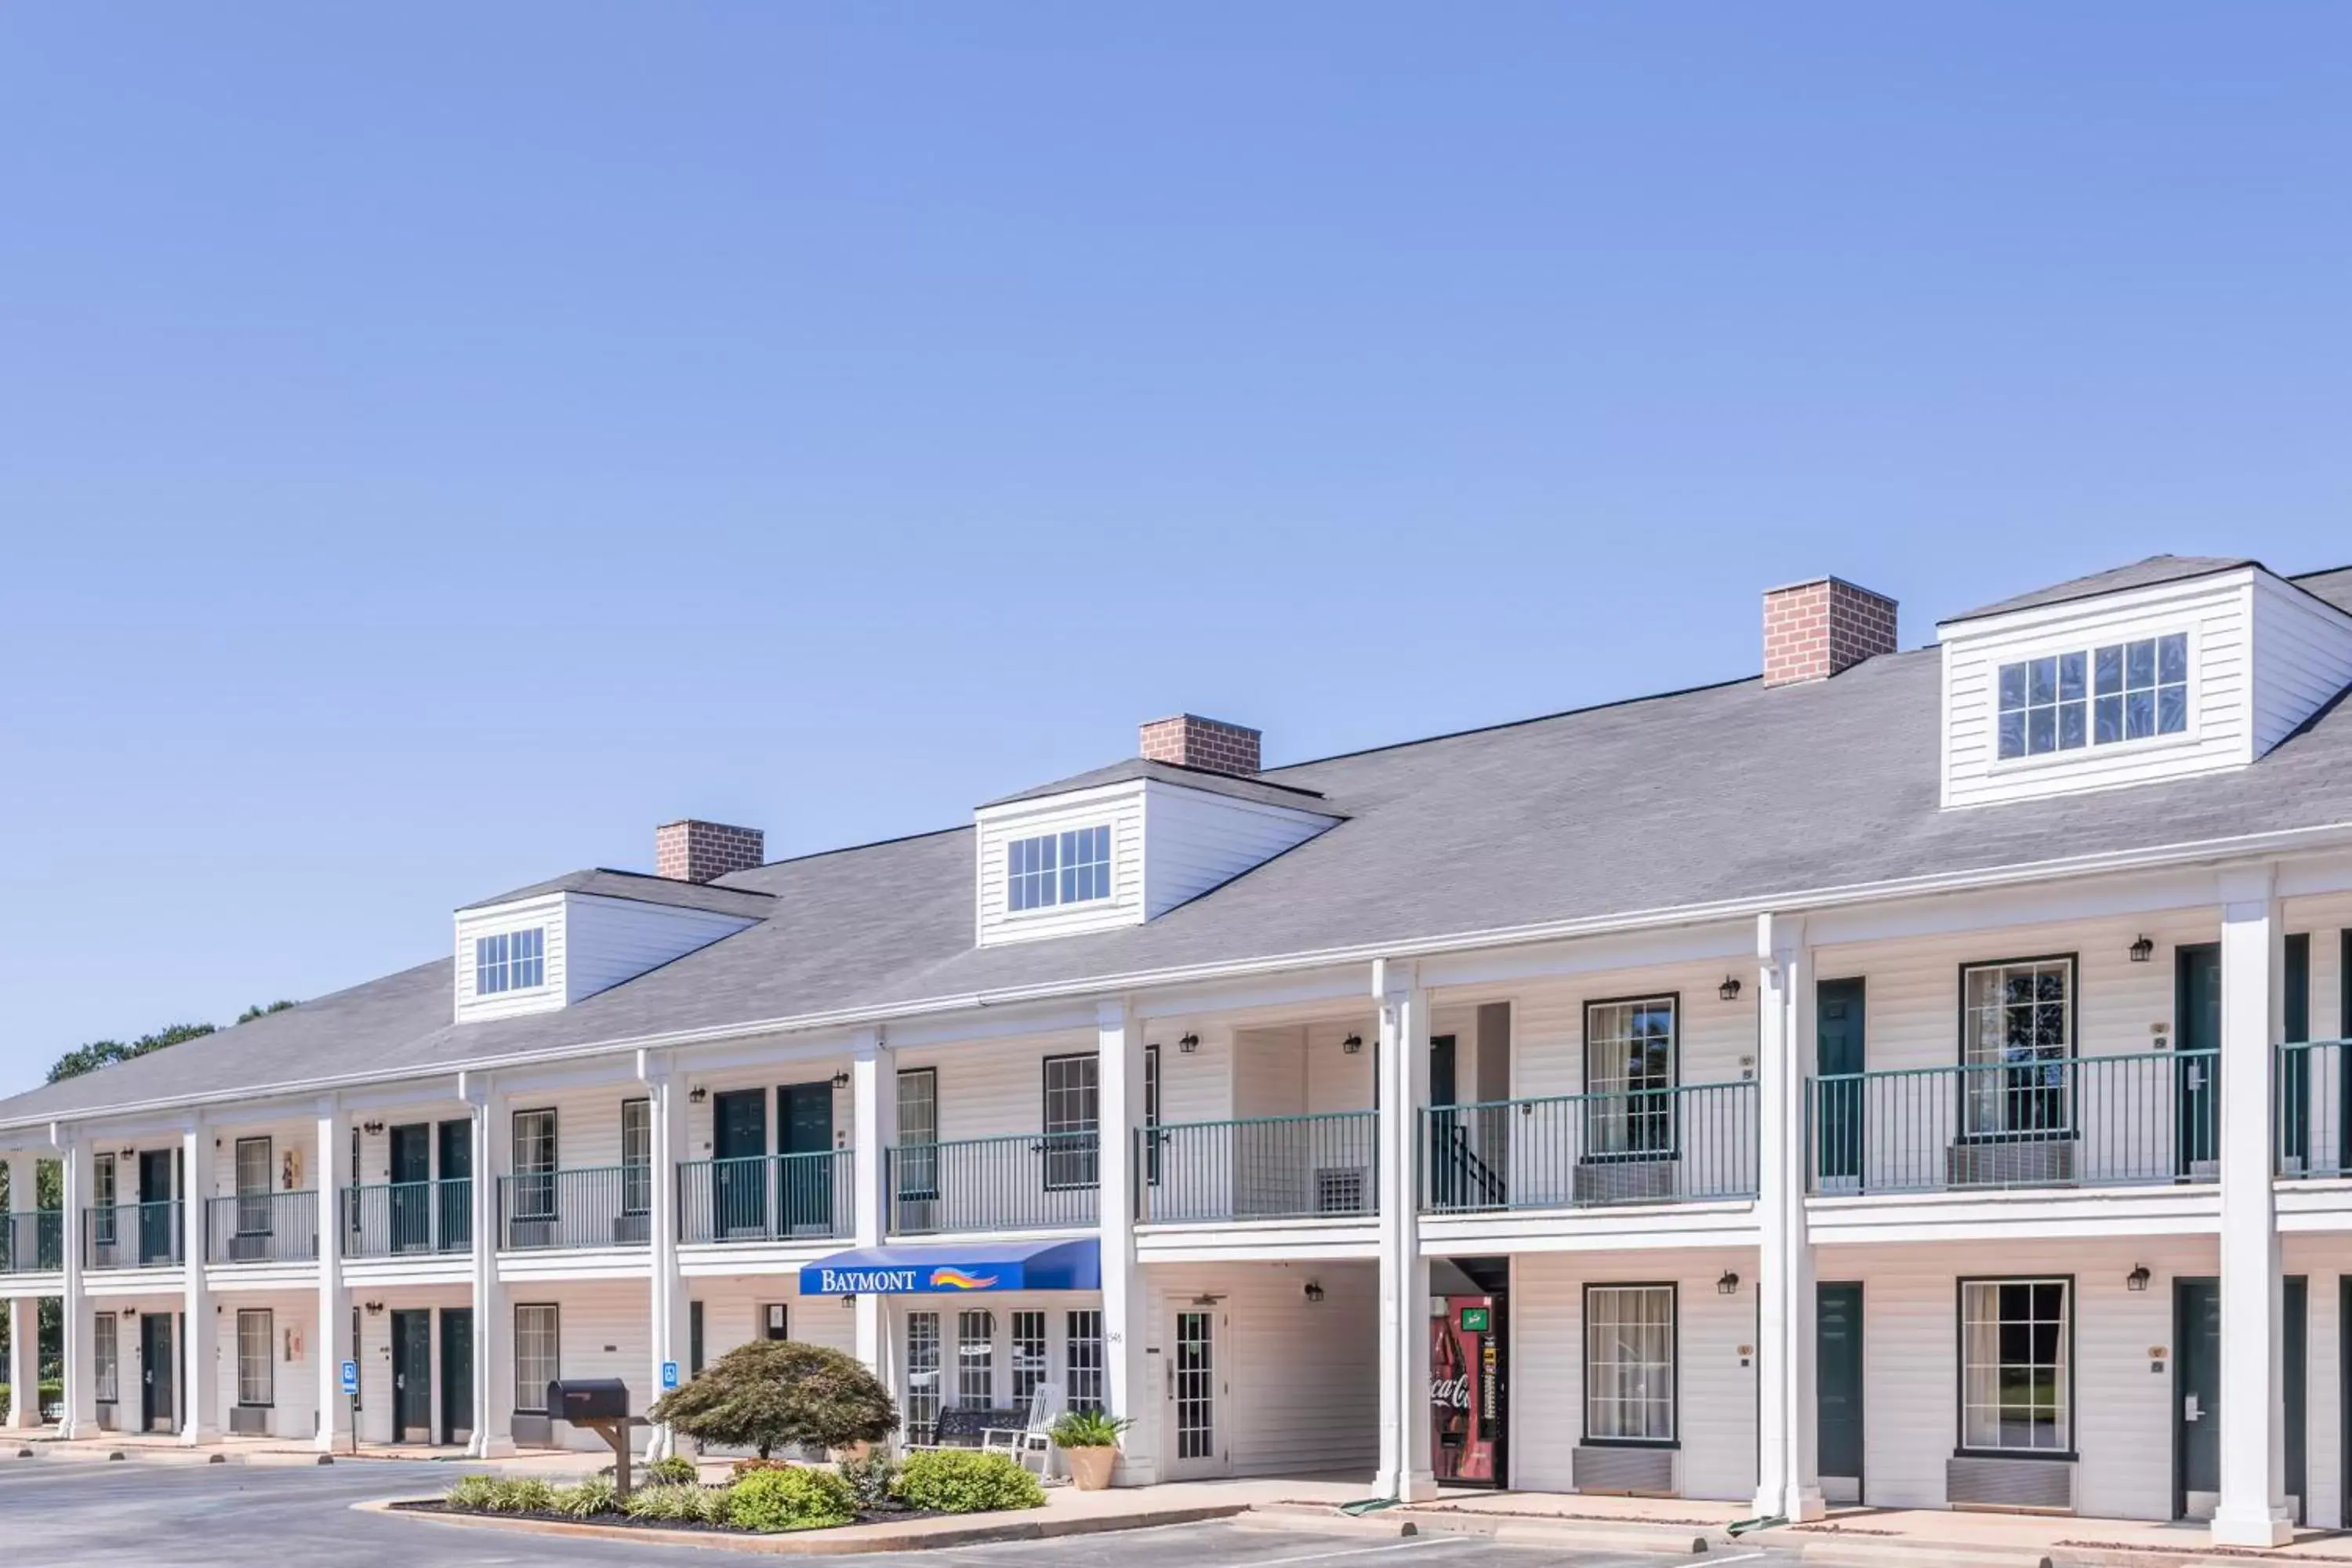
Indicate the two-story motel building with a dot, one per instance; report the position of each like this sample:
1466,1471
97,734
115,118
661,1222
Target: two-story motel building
1912,1078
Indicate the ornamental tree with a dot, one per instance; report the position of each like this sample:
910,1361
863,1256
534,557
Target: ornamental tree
771,1393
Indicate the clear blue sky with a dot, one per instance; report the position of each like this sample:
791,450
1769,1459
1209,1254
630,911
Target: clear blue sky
438,444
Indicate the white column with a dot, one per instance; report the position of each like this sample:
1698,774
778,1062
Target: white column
1788,1476
668,1306
874,1128
1129,1388
2252,1507
80,1371
1405,1472
493,1335
331,1341
24,1311
200,1354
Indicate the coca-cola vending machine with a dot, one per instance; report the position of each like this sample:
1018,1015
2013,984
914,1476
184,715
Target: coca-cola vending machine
1465,1391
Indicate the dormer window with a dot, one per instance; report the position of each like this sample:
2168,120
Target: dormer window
1054,868
510,961
2121,691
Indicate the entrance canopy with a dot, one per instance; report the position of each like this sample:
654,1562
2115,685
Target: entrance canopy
949,1270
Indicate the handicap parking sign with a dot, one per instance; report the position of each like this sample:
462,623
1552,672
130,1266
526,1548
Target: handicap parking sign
350,1377
670,1375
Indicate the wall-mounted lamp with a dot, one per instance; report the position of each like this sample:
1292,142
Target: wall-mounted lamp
2143,950
1729,989
375,1308
1314,1291
371,1128
130,1311
698,1094
841,1078
849,1300
2137,1279
1728,1285
1352,1045
1188,1044
131,1154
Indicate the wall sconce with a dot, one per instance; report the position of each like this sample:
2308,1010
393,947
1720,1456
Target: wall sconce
1352,1045
849,1300
371,1128
1188,1044
2143,950
130,1154
375,1308
130,1311
1728,1285
841,1079
2137,1279
1314,1291
1729,989
698,1094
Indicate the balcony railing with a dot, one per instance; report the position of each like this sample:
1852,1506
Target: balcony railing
1031,1181
608,1207
32,1242
1590,1151
2032,1122
132,1236
2312,1111
262,1227
767,1197
401,1219
1264,1167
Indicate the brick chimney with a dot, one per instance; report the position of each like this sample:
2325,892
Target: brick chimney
689,850
1813,630
1191,741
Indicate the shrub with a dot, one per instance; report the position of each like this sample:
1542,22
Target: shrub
718,1504
753,1467
1090,1429
797,1499
870,1480
771,1393
592,1497
666,1501
522,1494
474,1494
965,1480
674,1470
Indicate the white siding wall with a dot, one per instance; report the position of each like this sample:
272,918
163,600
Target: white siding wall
699,1122
2324,1261
295,1383
734,1312
547,913
1716,1417
297,1138
2215,612
1196,839
2302,657
604,1333
1118,805
1270,1072
1336,1081
587,1123
607,941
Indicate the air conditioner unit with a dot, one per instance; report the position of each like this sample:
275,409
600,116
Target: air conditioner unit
917,1216
1625,1181
1342,1190
2043,1485
248,1420
524,1234
2036,1162
249,1248
1634,1471
633,1229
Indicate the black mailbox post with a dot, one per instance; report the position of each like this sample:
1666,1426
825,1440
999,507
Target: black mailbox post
601,1405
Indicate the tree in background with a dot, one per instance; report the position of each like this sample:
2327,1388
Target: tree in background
258,1011
100,1054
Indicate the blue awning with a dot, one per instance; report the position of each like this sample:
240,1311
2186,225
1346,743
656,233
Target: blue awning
949,1270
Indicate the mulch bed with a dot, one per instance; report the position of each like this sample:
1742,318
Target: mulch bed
678,1526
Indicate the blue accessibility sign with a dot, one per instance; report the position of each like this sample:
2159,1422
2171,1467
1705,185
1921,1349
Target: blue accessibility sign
350,1377
670,1375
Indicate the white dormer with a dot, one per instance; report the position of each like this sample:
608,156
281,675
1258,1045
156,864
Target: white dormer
2171,668
547,946
1125,845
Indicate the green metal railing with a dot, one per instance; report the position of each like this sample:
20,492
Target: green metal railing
767,1197
1027,1180
262,1227
1690,1143
32,1242
1260,1167
395,1219
2311,1109
609,1205
132,1236
2031,1121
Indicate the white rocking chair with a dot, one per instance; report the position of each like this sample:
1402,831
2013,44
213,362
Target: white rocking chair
1045,1407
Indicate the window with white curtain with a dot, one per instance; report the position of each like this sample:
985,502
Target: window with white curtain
1629,1073
539,1333
1629,1363
2017,1033
253,1178
637,1156
1073,1108
2016,1377
257,1344
534,1164
104,1351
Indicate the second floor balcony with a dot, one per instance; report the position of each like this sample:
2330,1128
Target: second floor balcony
1260,1168
32,1241
606,1207
404,1219
767,1197
1690,1143
262,1227
132,1236
1028,1181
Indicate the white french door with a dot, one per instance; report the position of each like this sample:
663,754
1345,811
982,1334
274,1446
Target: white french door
1197,1386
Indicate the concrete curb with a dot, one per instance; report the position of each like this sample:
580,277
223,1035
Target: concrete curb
847,1540
1591,1535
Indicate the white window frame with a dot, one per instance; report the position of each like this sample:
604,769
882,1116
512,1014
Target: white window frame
545,1321
1632,1372
257,1358
2023,1087
1047,871
510,961
1986,1368
2092,695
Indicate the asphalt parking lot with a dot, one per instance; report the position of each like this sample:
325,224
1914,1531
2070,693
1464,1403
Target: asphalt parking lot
60,1514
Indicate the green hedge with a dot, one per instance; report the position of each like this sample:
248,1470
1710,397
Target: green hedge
771,1501
965,1480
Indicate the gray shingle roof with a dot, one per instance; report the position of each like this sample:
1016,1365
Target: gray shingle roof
2138,574
638,888
1698,798
1259,788
2334,585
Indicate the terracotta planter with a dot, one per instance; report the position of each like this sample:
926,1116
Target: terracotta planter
1090,1467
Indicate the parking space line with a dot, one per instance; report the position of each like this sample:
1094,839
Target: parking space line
1365,1550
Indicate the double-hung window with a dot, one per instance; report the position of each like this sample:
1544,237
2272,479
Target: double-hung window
534,1164
1152,1136
1629,1363
637,1156
105,1358
253,1173
1054,869
256,1341
1071,1125
102,1194
538,1336
1629,1079
2016,1373
2095,697
510,961
2016,1036
918,1153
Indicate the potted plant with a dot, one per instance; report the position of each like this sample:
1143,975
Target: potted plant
1090,1439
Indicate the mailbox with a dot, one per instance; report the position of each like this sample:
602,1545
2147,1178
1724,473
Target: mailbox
581,1400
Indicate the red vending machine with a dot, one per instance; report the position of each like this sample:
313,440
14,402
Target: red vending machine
1465,1392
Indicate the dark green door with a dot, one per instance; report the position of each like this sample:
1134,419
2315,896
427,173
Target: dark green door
2296,1300
411,1376
158,1372
805,1128
1838,1382
2196,1391
454,1196
738,1171
457,1374
411,1174
2197,1024
2295,1066
158,1223
1838,1013
1449,1139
